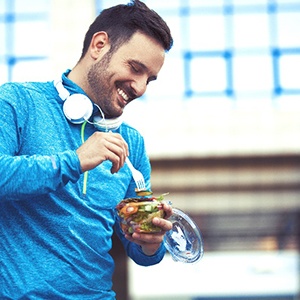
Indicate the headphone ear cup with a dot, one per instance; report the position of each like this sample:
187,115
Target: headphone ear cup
77,108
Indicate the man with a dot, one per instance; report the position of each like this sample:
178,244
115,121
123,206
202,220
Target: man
62,153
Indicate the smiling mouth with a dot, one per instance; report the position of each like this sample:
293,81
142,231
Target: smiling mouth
125,97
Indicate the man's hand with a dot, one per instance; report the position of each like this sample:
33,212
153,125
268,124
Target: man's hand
150,242
103,146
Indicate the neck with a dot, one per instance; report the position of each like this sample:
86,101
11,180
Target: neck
79,76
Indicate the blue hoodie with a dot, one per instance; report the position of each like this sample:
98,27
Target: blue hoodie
54,238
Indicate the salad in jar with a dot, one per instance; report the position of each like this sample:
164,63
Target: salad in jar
136,214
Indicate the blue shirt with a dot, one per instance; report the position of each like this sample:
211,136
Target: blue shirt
54,239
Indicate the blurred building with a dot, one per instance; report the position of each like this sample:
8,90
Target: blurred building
222,129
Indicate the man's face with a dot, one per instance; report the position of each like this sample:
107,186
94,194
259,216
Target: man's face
117,79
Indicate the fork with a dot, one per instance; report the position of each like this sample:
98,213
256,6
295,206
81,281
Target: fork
137,175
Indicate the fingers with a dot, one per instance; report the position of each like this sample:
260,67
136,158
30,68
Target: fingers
100,147
150,242
165,225
167,209
117,151
153,238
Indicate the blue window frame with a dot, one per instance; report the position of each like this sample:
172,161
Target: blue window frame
230,48
23,38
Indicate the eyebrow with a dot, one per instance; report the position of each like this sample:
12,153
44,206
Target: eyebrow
145,68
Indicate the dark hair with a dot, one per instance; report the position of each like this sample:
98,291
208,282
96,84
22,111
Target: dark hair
122,21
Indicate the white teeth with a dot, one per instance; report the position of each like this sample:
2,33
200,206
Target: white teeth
123,94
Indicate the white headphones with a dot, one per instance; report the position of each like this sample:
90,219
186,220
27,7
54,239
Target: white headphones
78,108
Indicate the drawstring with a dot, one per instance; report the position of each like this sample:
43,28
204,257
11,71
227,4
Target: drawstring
85,174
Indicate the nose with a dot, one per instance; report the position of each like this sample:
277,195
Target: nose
139,86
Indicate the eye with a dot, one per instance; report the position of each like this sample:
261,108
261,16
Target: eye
135,68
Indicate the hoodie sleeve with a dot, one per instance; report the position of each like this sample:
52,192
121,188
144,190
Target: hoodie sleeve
35,175
22,175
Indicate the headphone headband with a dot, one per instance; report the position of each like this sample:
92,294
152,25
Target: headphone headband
62,91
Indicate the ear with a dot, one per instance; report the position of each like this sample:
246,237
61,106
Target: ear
99,44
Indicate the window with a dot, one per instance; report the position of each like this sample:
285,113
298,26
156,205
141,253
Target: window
233,49
24,46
